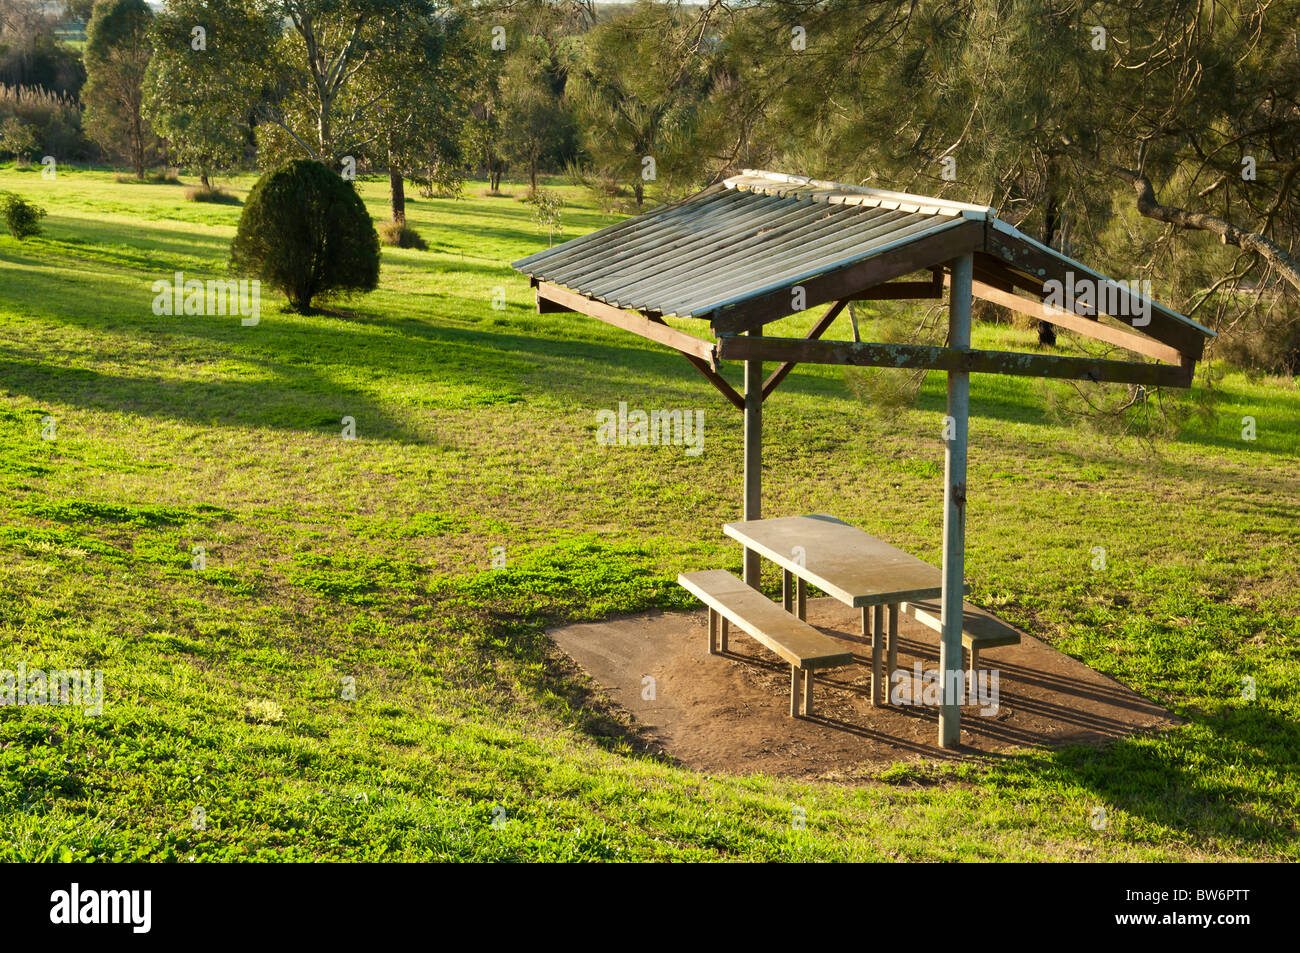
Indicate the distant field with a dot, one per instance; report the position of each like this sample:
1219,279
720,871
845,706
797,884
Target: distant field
371,560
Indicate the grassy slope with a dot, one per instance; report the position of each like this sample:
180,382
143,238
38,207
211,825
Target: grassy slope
369,559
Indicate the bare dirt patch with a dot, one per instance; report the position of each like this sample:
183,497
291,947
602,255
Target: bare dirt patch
731,713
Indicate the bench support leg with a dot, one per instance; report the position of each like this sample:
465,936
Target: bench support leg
794,692
787,593
724,628
807,692
801,597
877,648
974,669
892,665
713,629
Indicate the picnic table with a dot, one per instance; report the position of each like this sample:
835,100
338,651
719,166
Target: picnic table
847,564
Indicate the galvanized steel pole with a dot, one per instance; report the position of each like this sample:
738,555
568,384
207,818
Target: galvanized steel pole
753,454
954,510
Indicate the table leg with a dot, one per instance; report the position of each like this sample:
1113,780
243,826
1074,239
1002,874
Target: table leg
801,597
807,692
892,666
794,692
787,594
724,629
713,628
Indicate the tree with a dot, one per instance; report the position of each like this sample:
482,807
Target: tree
305,232
31,54
199,89
535,121
1076,121
416,110
354,79
117,55
21,217
642,78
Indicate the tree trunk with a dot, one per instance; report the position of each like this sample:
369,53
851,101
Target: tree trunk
397,187
532,176
1046,332
137,145
639,191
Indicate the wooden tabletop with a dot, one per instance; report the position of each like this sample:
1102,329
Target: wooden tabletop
841,560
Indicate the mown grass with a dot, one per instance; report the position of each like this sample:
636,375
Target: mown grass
368,563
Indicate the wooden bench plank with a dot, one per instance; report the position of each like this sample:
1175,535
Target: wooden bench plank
978,628
795,641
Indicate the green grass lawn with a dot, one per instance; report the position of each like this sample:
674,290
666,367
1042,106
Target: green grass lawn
333,563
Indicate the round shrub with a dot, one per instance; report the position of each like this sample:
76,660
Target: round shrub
305,231
21,217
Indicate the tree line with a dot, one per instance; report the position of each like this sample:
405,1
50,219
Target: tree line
1159,136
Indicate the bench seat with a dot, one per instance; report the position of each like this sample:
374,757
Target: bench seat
979,630
730,600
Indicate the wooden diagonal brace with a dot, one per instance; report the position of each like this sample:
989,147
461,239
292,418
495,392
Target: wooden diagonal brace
707,368
818,329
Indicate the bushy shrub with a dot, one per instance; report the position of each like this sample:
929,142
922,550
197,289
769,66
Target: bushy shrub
214,194
43,123
21,217
401,236
305,232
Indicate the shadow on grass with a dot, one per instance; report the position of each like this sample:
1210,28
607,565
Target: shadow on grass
1181,778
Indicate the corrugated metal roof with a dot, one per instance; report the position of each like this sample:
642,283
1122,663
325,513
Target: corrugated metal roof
749,236
752,234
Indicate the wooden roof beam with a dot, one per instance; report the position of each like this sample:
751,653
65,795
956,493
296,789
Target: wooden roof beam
637,323
917,356
1022,255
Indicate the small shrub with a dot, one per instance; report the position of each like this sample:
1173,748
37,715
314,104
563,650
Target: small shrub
17,139
548,206
215,194
401,236
21,217
160,177
306,232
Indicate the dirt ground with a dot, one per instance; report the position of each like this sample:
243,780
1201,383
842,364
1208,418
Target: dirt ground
731,713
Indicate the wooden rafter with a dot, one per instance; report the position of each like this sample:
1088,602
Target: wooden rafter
1080,324
1025,257
628,321
700,353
